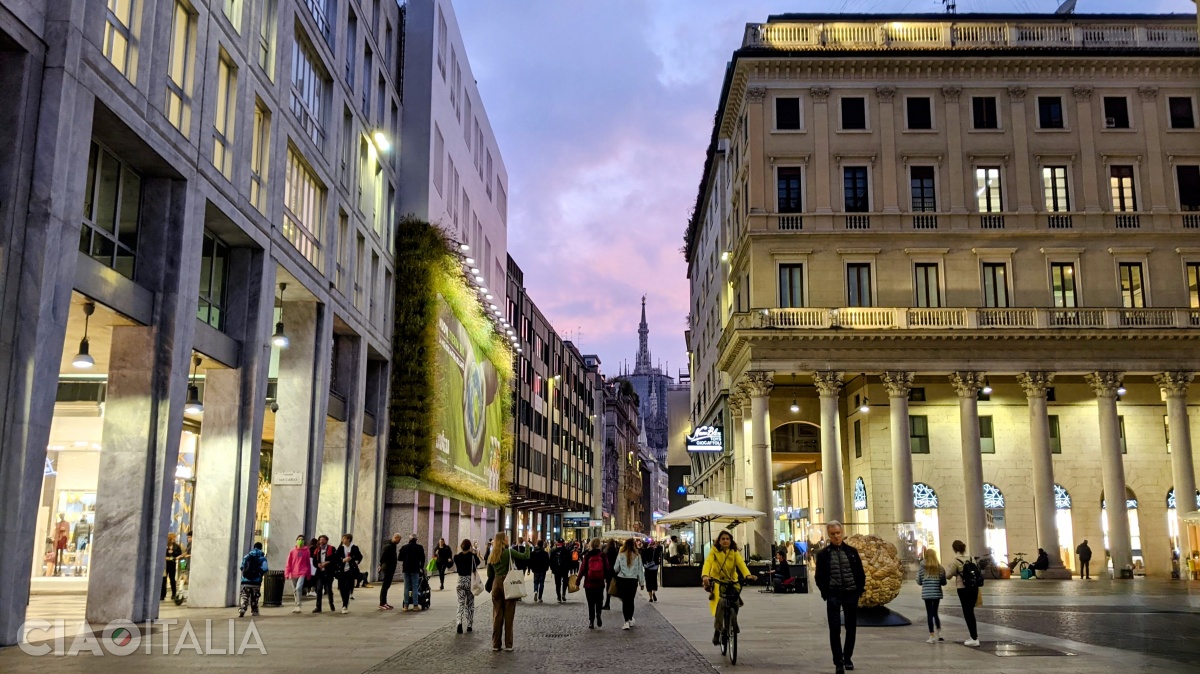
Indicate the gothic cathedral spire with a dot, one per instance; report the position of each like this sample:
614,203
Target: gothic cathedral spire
642,366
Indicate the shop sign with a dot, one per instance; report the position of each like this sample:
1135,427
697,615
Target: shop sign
656,515
706,439
287,478
576,522
797,513
597,523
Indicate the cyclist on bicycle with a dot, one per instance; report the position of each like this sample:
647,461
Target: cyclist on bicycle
724,564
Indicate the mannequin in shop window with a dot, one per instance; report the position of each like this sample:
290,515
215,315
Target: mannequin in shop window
62,532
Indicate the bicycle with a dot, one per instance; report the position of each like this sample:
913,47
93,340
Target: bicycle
1018,563
732,594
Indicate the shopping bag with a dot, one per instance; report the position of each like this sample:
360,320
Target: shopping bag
573,584
431,567
476,584
979,598
514,582
612,587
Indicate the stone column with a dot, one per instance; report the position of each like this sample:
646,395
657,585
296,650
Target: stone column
887,144
1035,385
967,385
759,385
1084,113
954,153
1112,465
1023,186
340,466
821,130
1154,173
758,197
898,385
829,386
1174,386
737,443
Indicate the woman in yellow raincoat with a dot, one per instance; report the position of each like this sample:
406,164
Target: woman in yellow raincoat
724,563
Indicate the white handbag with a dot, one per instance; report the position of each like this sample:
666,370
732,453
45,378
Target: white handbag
514,582
476,584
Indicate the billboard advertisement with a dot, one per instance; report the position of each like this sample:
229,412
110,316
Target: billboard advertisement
468,436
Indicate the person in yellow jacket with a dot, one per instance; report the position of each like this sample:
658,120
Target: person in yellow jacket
724,563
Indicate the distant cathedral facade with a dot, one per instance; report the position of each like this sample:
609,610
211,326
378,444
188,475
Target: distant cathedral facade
650,384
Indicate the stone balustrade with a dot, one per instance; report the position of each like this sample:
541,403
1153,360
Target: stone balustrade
967,318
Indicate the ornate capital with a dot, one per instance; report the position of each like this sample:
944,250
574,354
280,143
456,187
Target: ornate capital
1035,383
735,405
952,92
967,384
759,384
1148,93
755,95
1082,93
885,94
1174,384
1105,384
898,384
1016,93
829,382
819,94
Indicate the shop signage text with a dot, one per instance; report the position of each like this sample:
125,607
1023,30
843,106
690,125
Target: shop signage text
706,439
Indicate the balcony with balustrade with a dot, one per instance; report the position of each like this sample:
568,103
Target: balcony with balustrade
966,318
972,222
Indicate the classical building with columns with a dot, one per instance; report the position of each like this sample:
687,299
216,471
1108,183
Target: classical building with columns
945,279
196,209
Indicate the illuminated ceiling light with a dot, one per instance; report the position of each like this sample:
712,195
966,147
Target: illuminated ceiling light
725,256
469,260
280,338
487,296
193,404
382,142
510,333
987,387
493,306
865,407
1121,390
497,312
478,279
474,270
795,407
83,360
463,247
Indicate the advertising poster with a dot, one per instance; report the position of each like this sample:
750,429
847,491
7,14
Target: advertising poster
468,442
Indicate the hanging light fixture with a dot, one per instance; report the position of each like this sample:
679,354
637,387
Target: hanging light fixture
193,404
280,339
83,360
987,387
865,407
795,406
1120,389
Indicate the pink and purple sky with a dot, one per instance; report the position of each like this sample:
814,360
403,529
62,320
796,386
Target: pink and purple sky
603,111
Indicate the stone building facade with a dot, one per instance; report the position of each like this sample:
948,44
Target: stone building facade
955,257
623,507
196,224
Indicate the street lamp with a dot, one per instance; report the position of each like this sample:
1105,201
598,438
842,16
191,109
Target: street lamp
280,338
83,360
193,404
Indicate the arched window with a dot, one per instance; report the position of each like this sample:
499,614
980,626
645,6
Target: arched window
860,494
992,496
1171,499
1062,498
924,497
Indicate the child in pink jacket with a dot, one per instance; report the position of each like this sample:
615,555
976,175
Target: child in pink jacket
298,569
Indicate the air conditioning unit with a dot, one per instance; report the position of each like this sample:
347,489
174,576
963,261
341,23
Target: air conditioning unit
1110,122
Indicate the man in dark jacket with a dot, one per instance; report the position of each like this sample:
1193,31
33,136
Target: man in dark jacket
412,562
324,559
560,562
387,570
841,579
1085,560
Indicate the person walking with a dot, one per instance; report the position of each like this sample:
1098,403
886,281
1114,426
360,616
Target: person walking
539,563
466,562
967,579
412,561
725,564
253,568
445,559
501,563
1085,560
324,559
594,575
629,574
841,580
348,558
932,577
386,571
298,569
560,566
174,552
652,559
610,553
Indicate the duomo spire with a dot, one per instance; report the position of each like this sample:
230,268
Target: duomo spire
642,365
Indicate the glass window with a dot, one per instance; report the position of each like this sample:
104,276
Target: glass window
1121,426
320,14
223,120
987,189
266,38
995,284
112,211
920,112
439,158
1116,112
351,47
1193,281
1055,435
214,269
987,438
1187,179
855,189
791,285
858,284
1054,185
304,208
233,11
179,69
788,179
918,434
260,157
858,438
983,112
1120,180
1062,284
1132,294
925,283
923,196
443,39
118,34
1182,115
854,113
1050,112
787,113
308,90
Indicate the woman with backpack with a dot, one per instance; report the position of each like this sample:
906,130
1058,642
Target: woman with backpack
931,577
465,563
629,574
594,575
504,610
967,579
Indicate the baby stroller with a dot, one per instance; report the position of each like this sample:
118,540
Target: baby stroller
424,592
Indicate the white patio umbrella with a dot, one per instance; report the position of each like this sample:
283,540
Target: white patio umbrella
709,511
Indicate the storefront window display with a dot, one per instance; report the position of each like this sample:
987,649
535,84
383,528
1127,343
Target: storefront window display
1192,531
996,535
69,534
1066,532
1135,530
925,506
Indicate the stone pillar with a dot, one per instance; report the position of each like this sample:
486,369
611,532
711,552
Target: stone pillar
1112,465
1174,386
335,476
829,386
1154,172
366,525
898,385
1035,385
954,152
967,385
887,145
1024,195
1084,114
759,385
758,198
821,130
737,444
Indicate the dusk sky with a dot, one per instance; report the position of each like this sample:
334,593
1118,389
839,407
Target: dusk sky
603,110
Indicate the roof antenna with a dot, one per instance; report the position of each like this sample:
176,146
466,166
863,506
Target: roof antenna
1068,7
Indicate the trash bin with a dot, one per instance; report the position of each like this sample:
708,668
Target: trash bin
273,589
